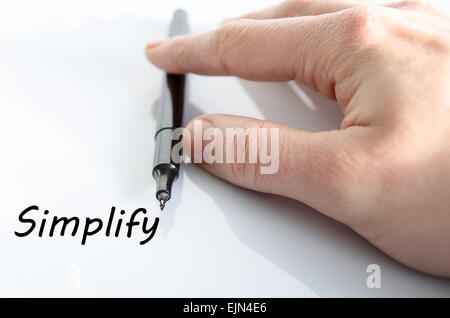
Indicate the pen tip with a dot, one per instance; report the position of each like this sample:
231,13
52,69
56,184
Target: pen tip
162,204
162,197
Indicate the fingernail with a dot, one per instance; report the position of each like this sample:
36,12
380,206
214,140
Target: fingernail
154,43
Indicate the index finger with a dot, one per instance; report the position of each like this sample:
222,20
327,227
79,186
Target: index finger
302,48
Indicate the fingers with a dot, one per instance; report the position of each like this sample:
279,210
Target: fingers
301,49
315,168
296,8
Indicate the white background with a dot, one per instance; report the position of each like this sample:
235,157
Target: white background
76,137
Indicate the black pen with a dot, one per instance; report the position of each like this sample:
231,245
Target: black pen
170,116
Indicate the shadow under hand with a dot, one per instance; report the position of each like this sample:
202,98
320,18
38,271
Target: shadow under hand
324,255
281,104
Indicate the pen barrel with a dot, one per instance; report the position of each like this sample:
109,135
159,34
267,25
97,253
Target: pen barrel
170,117
179,23
171,102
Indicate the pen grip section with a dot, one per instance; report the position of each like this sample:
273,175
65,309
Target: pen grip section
163,149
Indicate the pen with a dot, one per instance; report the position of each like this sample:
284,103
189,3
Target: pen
170,117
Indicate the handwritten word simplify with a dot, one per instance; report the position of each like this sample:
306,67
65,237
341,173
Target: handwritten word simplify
34,219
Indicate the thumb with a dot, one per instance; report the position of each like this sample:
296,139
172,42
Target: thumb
315,168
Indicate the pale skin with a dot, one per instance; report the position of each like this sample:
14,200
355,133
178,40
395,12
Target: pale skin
386,172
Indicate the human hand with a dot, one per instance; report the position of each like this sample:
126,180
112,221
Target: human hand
386,172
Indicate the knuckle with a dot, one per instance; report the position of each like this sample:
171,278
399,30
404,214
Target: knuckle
363,24
228,31
438,43
246,140
181,53
245,173
227,38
